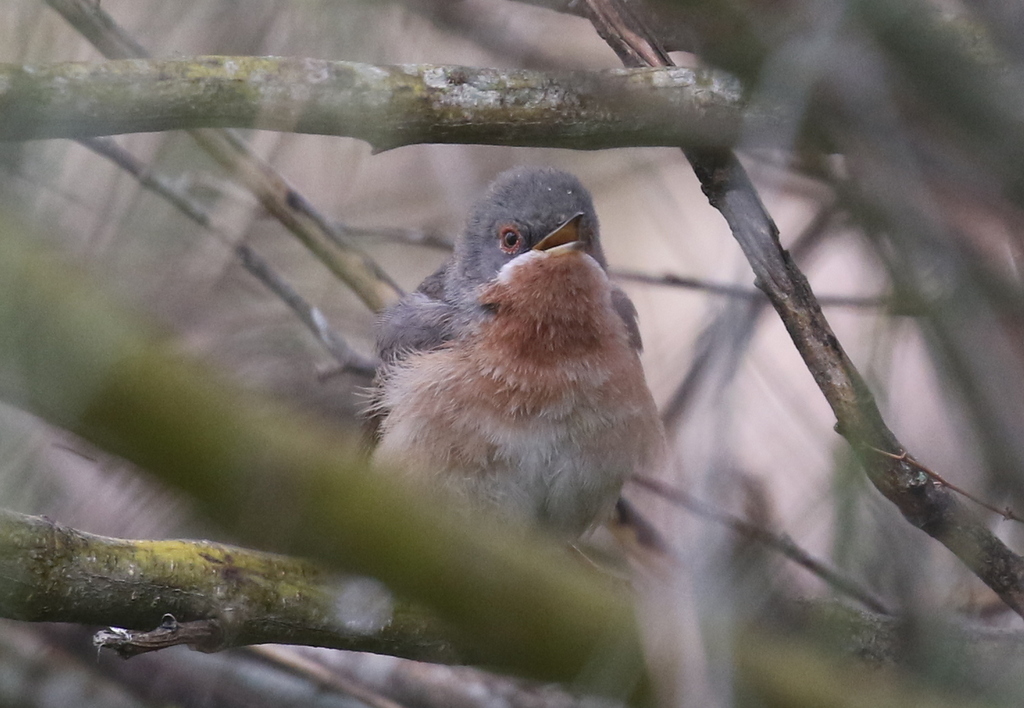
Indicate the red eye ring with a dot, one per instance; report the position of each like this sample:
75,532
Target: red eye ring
509,239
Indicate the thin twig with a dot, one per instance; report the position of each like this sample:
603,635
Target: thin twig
778,542
692,283
429,239
294,663
1007,513
348,359
726,334
412,237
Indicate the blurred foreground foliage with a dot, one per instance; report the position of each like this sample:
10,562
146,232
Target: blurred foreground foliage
902,122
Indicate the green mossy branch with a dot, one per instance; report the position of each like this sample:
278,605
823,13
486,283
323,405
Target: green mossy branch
387,106
51,573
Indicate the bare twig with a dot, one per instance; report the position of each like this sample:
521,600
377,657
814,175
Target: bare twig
440,242
492,33
925,503
419,684
203,634
297,664
413,237
347,358
1007,513
361,274
778,542
730,329
691,283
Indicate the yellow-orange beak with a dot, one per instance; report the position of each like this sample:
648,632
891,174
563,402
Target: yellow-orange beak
565,238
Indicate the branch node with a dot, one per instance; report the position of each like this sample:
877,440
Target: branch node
206,635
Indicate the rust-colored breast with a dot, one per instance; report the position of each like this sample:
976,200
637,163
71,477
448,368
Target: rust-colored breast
550,307
543,406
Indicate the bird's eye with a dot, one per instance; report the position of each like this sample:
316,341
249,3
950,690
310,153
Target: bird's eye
509,239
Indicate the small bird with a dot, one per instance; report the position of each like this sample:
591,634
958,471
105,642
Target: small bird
512,376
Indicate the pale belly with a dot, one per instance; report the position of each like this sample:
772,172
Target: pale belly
529,448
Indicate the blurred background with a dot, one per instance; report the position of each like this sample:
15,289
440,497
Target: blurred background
752,433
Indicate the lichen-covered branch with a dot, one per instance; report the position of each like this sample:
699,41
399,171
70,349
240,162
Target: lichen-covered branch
387,106
51,573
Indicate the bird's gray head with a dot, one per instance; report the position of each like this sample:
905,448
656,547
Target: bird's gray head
522,206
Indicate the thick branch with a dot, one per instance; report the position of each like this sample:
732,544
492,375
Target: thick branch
50,573
442,243
387,106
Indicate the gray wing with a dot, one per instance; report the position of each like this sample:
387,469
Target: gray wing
627,311
419,321
422,320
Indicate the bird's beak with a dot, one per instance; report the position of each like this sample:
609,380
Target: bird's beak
564,239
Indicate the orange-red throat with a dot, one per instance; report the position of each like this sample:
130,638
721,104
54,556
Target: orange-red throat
552,302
